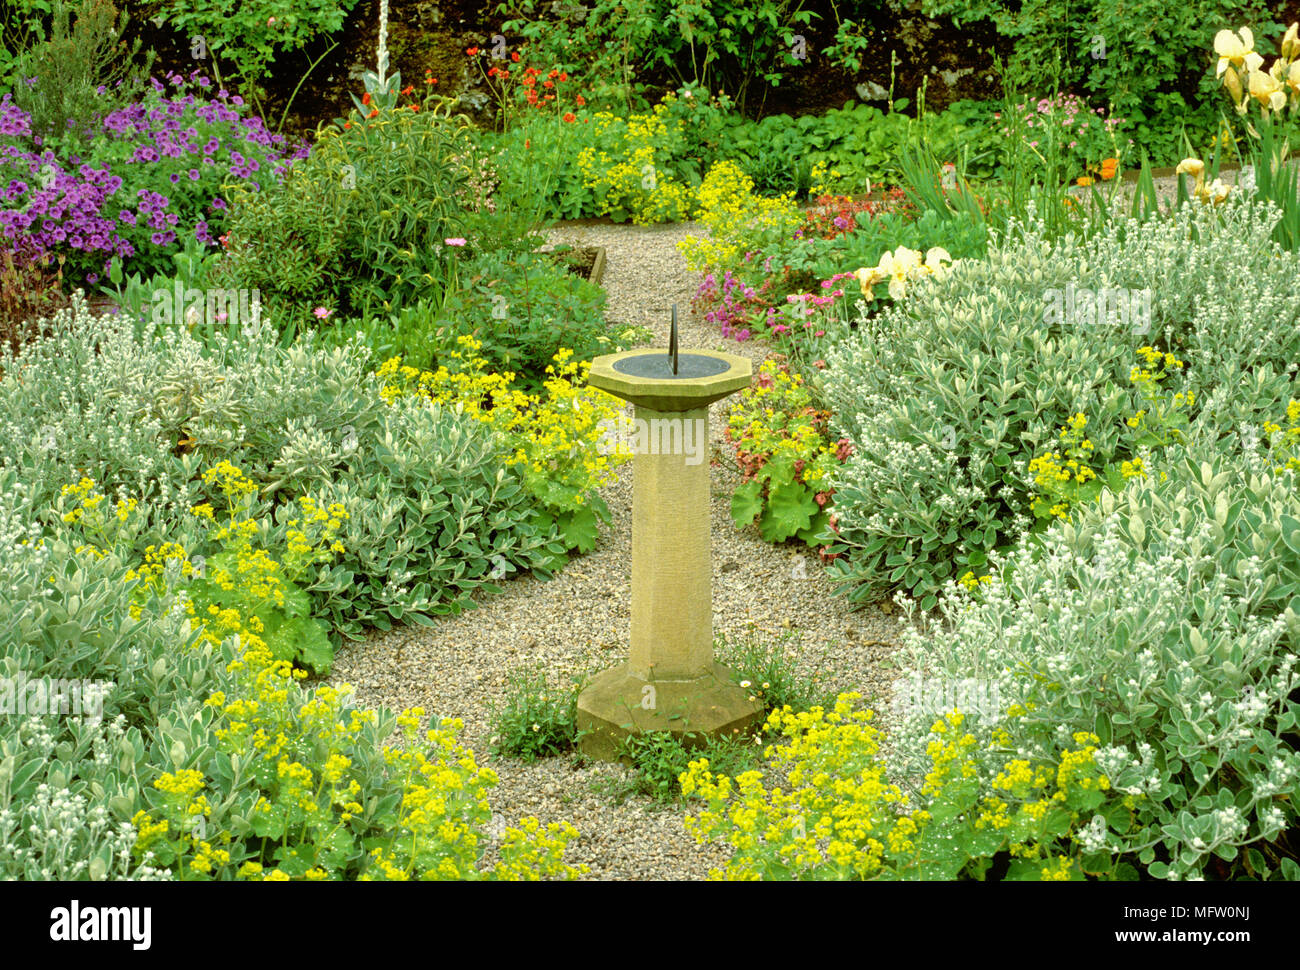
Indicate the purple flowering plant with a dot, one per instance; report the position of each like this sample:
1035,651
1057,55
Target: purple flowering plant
155,174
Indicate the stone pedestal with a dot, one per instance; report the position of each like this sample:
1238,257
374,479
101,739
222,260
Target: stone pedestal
670,681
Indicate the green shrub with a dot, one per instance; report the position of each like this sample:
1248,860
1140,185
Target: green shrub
80,54
1162,620
1145,61
206,759
522,308
362,224
248,36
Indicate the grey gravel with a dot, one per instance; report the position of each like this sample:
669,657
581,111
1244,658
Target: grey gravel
579,620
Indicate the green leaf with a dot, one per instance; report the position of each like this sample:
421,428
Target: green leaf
791,507
747,503
580,529
809,535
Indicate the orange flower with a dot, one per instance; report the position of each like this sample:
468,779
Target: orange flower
514,56
471,51
408,89
415,107
1109,167
570,117
580,101
430,80
563,76
365,98
1083,181
528,142
548,84
347,124
373,112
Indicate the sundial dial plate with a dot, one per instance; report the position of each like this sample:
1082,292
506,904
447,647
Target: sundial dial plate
656,365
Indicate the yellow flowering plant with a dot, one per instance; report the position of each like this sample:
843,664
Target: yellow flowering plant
1284,442
1073,475
550,437
838,815
306,791
242,574
225,765
629,169
737,219
1275,92
786,454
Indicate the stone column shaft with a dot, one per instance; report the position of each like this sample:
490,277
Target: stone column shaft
672,593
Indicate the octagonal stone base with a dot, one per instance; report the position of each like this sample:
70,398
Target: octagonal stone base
618,703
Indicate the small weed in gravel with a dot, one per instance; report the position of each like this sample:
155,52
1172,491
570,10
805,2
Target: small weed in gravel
656,759
536,721
767,668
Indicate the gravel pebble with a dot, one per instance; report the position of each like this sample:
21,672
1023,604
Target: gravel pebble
578,621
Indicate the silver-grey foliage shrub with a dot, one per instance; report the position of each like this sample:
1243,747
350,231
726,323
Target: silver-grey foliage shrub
948,394
1163,619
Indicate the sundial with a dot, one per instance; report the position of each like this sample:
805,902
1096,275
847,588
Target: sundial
672,365
670,681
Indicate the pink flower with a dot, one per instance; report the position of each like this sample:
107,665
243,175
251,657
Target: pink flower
321,312
269,21
456,241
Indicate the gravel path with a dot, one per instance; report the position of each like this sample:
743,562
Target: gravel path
579,620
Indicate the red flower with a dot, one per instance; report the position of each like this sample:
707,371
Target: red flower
554,74
408,89
528,142
514,56
430,80
347,124
365,98
373,112
532,97
580,101
563,76
569,116
548,84
492,72
471,51
415,107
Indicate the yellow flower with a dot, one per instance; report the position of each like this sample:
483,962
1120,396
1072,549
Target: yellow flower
1236,49
1267,90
